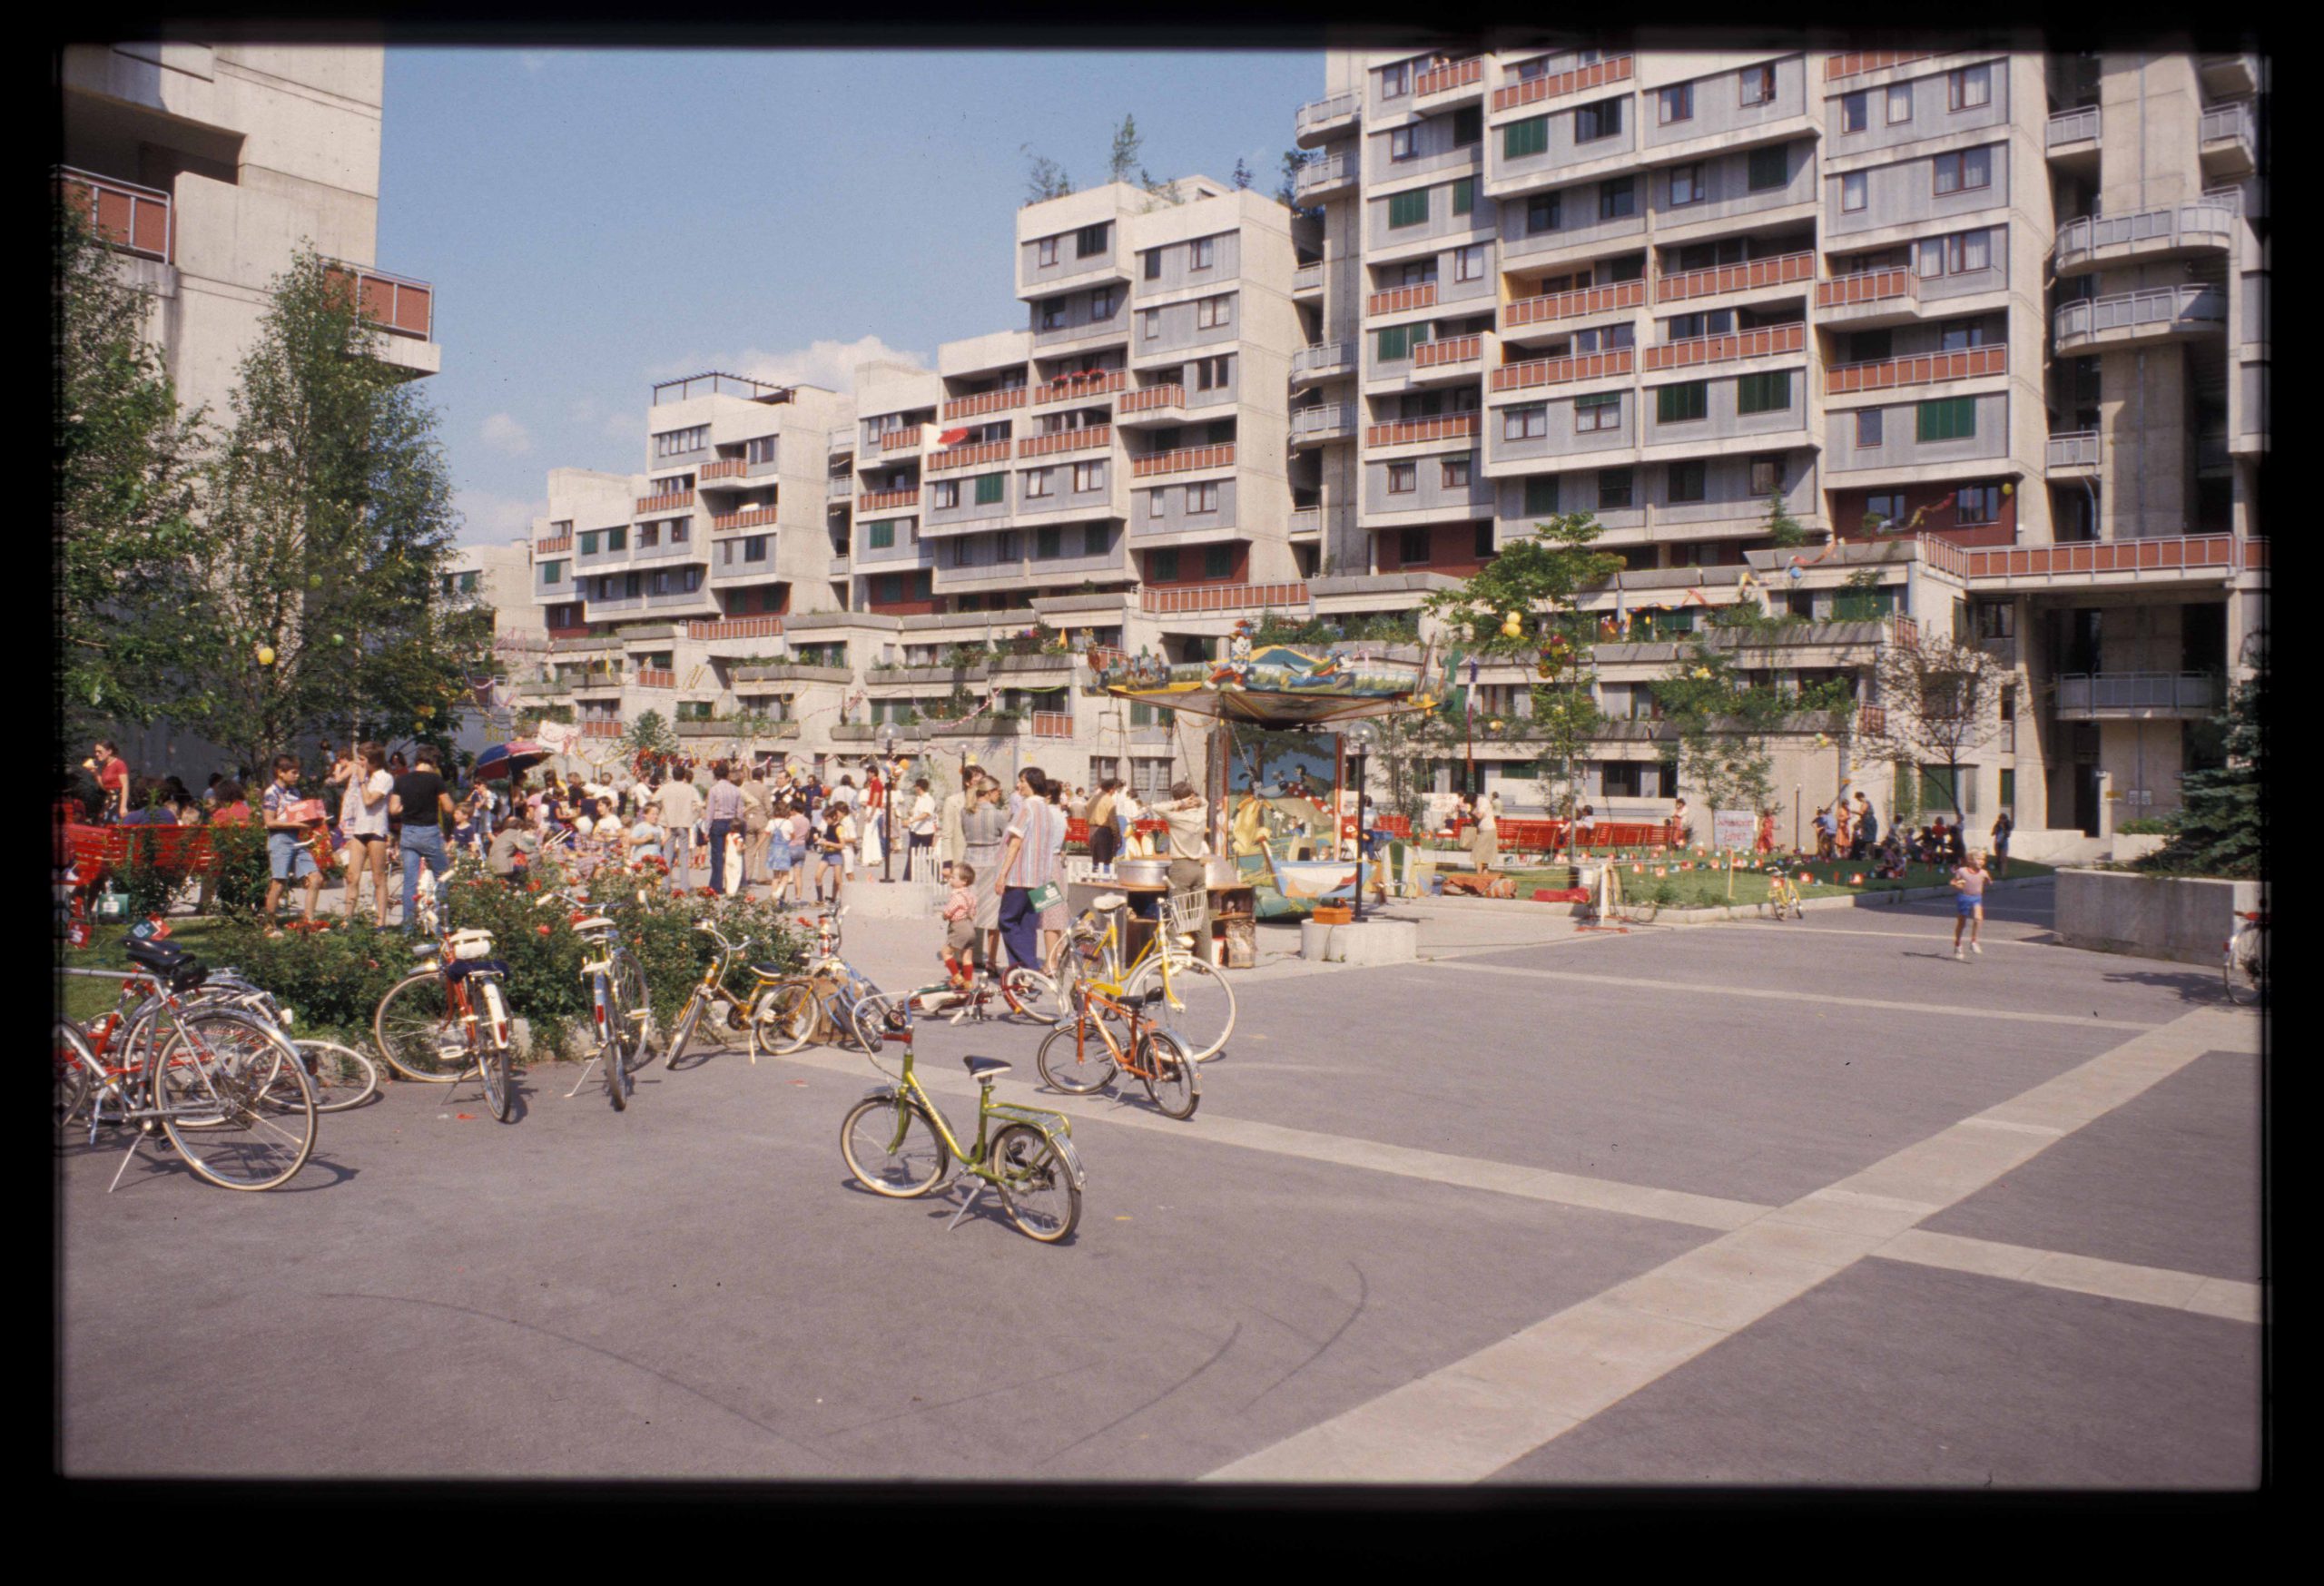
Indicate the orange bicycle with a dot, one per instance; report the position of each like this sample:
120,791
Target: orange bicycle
1083,1053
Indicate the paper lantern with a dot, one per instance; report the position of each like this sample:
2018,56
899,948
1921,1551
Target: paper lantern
1638,870
266,654
1512,626
1660,871
1856,878
1803,878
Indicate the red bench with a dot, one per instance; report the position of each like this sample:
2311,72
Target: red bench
97,850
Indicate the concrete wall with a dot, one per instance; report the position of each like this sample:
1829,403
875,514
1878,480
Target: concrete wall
2159,917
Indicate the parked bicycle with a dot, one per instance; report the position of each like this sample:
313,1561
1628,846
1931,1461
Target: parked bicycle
1197,1005
897,1143
713,1008
1084,1053
619,1011
450,1018
1783,898
828,1000
2243,959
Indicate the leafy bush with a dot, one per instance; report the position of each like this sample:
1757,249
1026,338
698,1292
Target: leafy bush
2147,826
331,980
239,854
150,881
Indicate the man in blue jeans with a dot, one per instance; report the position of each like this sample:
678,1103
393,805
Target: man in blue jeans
1029,861
725,811
421,799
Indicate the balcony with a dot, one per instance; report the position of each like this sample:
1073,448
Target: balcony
904,440
1422,431
1556,85
841,442
1870,296
1148,403
1308,279
2158,314
1403,300
2228,140
1323,361
839,487
1854,62
401,312
2096,240
2074,456
1455,357
674,501
2090,696
984,402
1092,438
136,220
1927,369
1444,83
553,544
1304,523
748,517
602,728
2072,133
1319,119
1768,341
1566,305
1326,175
1196,599
734,628
1314,426
656,677
725,467
1186,459
969,456
1751,275
2103,563
1081,388
2229,76
883,500
1052,723
1559,371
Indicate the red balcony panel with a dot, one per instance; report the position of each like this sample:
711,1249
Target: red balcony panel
734,628
1401,299
550,545
897,439
878,500
1920,369
749,518
1183,460
1152,396
1854,62
1587,300
962,456
676,500
1764,342
1558,371
1868,286
1456,349
1095,437
1194,599
1750,275
984,402
1080,387
1451,75
725,467
1559,83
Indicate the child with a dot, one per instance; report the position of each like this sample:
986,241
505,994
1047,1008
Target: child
291,822
1968,885
961,926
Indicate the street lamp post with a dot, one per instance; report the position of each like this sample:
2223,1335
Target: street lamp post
888,804
1361,736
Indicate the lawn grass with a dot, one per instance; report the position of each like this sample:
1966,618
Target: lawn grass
1704,888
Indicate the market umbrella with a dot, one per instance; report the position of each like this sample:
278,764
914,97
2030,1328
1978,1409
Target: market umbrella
502,761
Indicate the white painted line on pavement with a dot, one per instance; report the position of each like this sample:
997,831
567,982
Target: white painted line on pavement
2224,1298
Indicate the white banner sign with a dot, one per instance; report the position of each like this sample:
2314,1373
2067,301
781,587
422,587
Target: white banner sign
1733,829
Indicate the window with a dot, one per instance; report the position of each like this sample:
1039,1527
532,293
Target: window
1679,103
1456,473
1613,487
1092,239
1945,418
1046,252
1213,374
1856,111
1397,341
1153,257
1162,566
1692,327
754,548
659,583
1755,85
589,542
1767,475
1153,323
1540,213
1900,102
944,493
1688,482
1978,504
649,535
1046,542
1101,304
630,586
1522,139
1469,263
1465,196
1602,410
760,449
1053,314
1411,547
1200,252
1618,198
1096,540
989,488
1401,143
1770,168
1202,498
887,587
1416,272
552,572
1763,393
1852,192
1004,545
676,442
1402,478
1038,482
1686,184
1969,87
1218,561
1868,428
1958,255
1211,313
879,535
1605,339
1408,208
1397,81
1603,120
1682,403
1883,507
1154,502
1961,173
617,539
1541,495
1089,475
1526,423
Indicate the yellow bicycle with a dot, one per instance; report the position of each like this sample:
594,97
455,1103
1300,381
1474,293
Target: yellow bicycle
1196,1006
1783,896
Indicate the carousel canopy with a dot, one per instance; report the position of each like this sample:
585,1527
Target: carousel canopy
1271,686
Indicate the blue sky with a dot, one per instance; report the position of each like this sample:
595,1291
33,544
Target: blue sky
595,220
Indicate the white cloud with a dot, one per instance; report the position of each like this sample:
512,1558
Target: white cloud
494,520
502,432
829,364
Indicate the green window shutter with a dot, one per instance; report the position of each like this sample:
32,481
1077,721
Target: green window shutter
882,535
1162,565
1763,393
989,488
1396,343
1045,542
1465,195
1520,138
1946,419
1769,168
1217,561
617,539
1541,495
925,588
1141,714
1408,208
1676,404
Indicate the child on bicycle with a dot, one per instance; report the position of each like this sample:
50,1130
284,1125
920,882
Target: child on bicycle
960,927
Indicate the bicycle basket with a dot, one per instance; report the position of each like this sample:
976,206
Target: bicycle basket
472,944
1187,912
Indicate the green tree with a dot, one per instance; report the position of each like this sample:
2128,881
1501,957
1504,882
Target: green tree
1122,162
1043,177
1243,176
1286,193
1723,722
2221,824
127,466
650,734
1783,528
1935,700
330,524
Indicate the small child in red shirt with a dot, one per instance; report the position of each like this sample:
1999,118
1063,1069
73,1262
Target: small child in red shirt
960,927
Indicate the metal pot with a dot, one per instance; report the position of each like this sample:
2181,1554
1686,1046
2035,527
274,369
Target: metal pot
1143,873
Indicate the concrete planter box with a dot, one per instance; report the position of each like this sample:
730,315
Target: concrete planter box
1033,663
2177,918
928,675
792,672
646,633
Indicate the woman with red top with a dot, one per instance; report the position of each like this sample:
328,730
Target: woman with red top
111,773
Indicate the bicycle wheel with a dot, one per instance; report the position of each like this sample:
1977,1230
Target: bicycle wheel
643,1040
874,1016
234,1100
74,1062
493,1040
1200,1009
2242,972
341,1076
1037,1186
612,1049
416,1033
892,1148
688,1018
1031,994
1172,1083
783,1019
1074,1058
1642,913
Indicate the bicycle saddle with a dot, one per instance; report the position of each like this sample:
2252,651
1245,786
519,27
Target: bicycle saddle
984,1071
1106,902
153,954
460,968
593,922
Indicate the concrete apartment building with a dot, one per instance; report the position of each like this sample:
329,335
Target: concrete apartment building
1990,325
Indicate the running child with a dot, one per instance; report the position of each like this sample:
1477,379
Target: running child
960,927
1968,885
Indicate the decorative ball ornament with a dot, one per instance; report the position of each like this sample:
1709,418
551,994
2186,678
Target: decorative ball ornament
266,654
2007,488
314,580
339,638
1512,626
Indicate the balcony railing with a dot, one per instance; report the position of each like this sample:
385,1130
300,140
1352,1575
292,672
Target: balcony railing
1868,286
601,727
1767,341
1452,350
390,302
839,486
1333,170
1324,358
1317,113
2225,122
2079,449
2073,126
1185,458
1052,723
1401,299
2160,309
748,517
2208,221
1871,720
1452,75
1418,431
1557,84
1854,62
963,456
1147,398
550,545
1748,276
2158,554
1558,371
734,628
1322,423
1306,520
881,501
674,501
984,402
1080,387
725,467
1565,305
1918,369
655,677
134,219
1205,597
2169,691
1307,278
898,439
1092,438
